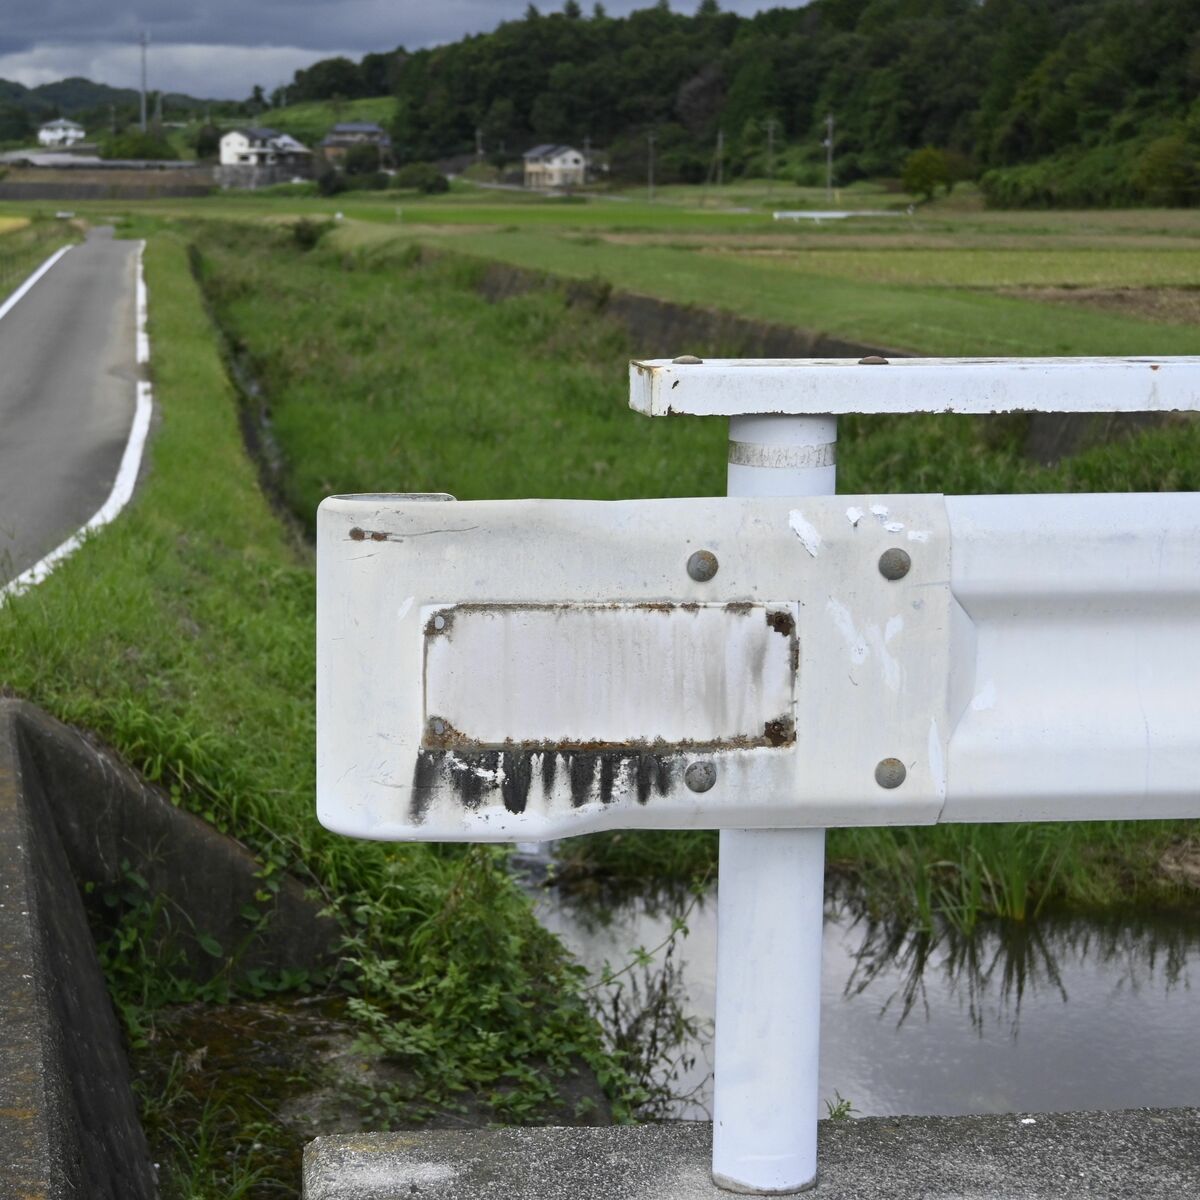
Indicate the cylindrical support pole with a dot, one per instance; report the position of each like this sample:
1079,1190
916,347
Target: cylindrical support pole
770,907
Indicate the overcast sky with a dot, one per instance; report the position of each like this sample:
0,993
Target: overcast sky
221,48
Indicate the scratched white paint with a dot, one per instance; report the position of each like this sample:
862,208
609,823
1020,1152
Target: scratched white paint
856,644
894,526
809,537
405,608
879,510
985,698
918,535
854,515
937,758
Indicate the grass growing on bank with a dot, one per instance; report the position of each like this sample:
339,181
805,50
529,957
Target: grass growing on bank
183,635
389,372
24,245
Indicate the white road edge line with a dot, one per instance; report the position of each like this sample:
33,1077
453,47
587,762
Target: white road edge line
131,460
8,304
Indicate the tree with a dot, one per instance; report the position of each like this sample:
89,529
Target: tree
925,171
1166,172
207,142
362,159
572,11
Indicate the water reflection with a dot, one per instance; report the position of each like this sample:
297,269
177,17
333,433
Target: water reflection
1060,1015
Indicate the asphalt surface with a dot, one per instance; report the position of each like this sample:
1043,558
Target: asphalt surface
68,392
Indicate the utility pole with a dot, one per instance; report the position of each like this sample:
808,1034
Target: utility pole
479,143
771,122
829,158
650,137
143,40
720,157
587,156
158,116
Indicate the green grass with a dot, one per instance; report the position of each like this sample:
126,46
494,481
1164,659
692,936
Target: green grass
931,320
183,636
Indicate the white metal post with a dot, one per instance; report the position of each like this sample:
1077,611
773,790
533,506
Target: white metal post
770,907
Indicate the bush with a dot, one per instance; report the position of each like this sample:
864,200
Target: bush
330,182
306,234
362,159
1101,177
925,171
421,177
133,143
1166,172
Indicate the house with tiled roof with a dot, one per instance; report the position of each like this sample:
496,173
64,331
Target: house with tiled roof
60,133
347,134
554,166
262,147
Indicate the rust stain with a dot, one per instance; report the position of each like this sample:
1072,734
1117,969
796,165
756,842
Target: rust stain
780,732
782,622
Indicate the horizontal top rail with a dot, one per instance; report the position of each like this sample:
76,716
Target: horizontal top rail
815,386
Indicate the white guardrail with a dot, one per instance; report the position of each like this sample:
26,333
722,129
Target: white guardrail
771,664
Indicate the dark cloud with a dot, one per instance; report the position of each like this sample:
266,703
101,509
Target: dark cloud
222,47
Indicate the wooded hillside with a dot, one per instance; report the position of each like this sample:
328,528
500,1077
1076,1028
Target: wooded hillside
1005,83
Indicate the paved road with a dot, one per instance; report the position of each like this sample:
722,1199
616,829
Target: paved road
67,396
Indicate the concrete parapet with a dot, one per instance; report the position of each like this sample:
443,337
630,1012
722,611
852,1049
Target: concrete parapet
1151,1154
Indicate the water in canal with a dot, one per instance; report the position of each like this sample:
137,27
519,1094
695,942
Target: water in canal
1058,1016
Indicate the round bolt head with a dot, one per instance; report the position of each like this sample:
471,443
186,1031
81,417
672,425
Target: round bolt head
890,773
702,565
439,622
873,360
438,726
687,360
700,776
894,563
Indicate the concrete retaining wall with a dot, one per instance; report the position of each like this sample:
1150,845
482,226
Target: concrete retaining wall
71,813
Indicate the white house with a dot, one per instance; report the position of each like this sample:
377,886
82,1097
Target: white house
262,148
554,166
60,133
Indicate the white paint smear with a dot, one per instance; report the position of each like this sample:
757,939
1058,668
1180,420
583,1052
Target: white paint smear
879,510
404,609
918,535
806,532
855,643
854,515
127,472
985,698
894,526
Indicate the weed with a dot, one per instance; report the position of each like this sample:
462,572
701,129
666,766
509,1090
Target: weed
839,1108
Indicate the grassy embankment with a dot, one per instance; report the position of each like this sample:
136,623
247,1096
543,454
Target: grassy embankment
527,397
183,635
25,244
